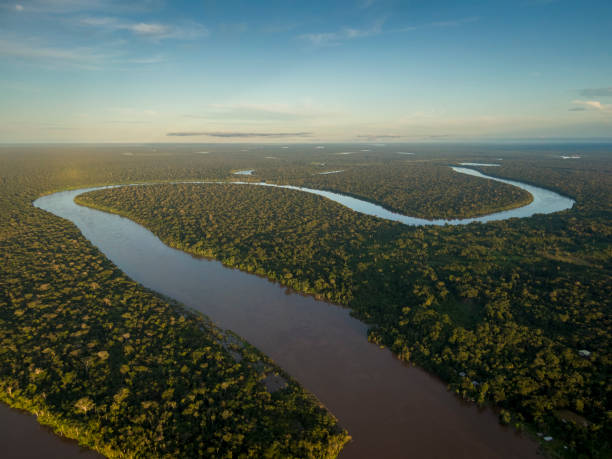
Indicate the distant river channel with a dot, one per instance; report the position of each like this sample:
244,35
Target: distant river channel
391,410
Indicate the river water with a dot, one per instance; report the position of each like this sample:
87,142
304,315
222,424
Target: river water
22,437
390,409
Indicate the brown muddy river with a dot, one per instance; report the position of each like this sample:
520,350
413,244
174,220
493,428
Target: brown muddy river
391,410
22,437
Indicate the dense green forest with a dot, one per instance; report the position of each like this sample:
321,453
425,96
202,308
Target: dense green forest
499,310
102,360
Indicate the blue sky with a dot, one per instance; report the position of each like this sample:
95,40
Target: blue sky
360,70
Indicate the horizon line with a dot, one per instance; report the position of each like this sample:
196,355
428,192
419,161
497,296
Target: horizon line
355,142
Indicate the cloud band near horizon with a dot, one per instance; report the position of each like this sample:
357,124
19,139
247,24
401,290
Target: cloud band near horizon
240,134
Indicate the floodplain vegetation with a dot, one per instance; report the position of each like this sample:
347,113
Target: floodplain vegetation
102,360
515,314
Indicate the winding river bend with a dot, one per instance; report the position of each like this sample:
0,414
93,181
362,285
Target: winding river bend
390,409
544,202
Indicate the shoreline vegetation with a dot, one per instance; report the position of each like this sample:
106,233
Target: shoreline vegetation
498,311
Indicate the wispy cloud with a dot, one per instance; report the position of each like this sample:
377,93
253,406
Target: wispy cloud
240,134
82,57
596,92
85,58
592,105
75,6
348,33
337,37
373,137
439,24
56,6
301,114
143,28
188,31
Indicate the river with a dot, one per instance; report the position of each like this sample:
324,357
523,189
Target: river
544,202
22,437
389,408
